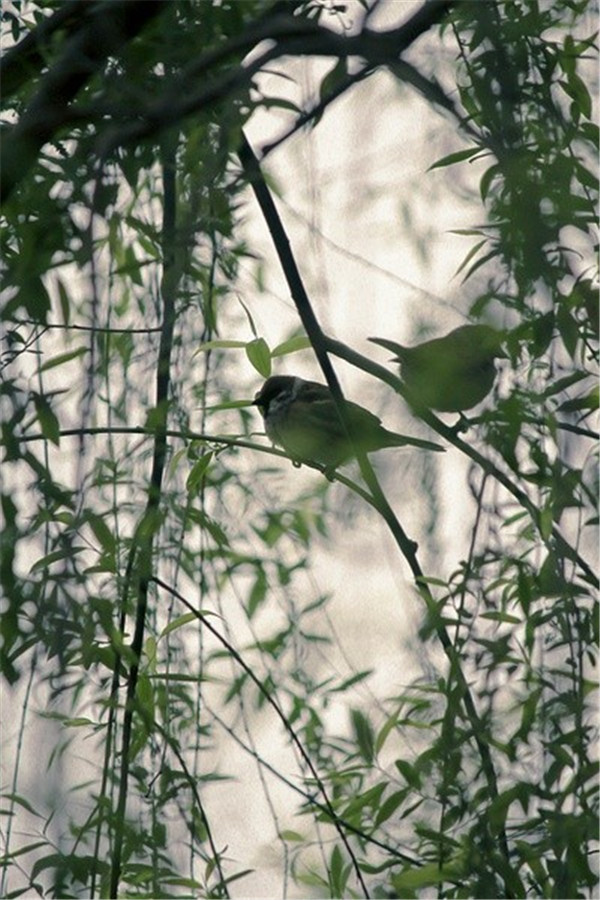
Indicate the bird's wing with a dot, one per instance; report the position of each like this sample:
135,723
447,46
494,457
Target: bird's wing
319,399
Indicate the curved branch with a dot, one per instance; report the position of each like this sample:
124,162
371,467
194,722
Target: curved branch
280,715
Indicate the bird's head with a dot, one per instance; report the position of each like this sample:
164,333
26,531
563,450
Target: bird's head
277,391
489,340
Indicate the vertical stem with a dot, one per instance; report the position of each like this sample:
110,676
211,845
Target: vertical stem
149,523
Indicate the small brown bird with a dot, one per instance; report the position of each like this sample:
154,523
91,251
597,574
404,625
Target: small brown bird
452,373
301,416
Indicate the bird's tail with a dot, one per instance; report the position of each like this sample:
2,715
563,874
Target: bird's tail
402,440
398,349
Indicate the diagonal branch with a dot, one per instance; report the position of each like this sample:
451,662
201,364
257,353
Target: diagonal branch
342,351
408,548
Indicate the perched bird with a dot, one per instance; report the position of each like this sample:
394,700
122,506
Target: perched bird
301,416
451,373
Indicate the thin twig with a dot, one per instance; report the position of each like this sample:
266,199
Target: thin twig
148,526
280,714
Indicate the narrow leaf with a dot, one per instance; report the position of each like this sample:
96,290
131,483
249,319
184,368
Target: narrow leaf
299,342
470,255
63,358
220,345
452,158
47,419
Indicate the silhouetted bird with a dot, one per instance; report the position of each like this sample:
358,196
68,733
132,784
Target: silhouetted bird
451,373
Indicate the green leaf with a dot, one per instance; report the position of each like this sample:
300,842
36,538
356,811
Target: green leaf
219,345
470,255
480,262
354,679
145,695
197,473
53,557
102,532
409,772
542,330
452,158
330,84
230,404
385,732
259,355
589,401
563,383
577,90
175,459
150,654
214,529
568,330
279,103
292,345
414,879
590,131
338,873
501,617
63,358
155,417
65,303
500,805
183,882
528,713
364,735
35,298
26,848
21,801
487,178
389,807
258,592
48,422
248,316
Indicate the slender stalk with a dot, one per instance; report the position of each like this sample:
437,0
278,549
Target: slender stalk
149,524
406,546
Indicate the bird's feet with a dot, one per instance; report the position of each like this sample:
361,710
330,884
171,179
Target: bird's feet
463,423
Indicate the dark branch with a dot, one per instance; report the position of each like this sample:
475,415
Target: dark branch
110,27
408,548
115,23
26,60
